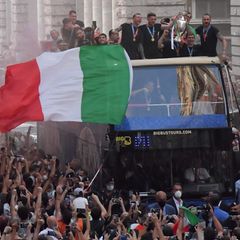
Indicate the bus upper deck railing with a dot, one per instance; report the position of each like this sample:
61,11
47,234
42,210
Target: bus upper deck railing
176,61
169,105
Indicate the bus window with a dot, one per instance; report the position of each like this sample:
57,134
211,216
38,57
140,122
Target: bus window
175,97
202,168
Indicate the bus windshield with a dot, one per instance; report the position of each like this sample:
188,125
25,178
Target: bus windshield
175,97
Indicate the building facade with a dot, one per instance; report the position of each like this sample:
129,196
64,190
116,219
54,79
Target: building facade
235,33
24,23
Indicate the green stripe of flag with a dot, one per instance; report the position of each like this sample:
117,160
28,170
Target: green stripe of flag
192,218
106,83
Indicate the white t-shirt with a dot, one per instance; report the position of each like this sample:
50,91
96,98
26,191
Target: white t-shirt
80,202
49,232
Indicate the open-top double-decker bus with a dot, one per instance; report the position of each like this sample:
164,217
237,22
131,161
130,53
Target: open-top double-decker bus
176,129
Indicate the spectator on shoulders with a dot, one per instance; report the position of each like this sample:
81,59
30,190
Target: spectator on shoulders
102,39
73,17
81,38
55,38
68,32
61,45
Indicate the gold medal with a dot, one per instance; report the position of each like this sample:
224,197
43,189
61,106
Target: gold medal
152,33
134,32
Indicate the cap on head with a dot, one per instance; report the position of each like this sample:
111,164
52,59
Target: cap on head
77,191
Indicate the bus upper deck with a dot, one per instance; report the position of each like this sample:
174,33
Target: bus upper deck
177,120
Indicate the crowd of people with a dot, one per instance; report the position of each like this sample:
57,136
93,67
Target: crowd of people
145,41
40,201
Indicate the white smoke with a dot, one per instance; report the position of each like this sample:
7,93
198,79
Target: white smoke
24,43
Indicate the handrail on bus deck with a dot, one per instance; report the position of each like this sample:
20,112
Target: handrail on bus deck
167,105
176,61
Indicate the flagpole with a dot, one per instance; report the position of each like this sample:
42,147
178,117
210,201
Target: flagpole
99,169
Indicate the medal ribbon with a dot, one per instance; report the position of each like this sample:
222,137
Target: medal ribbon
135,33
152,33
205,33
190,51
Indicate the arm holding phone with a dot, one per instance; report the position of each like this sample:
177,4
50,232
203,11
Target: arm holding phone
99,204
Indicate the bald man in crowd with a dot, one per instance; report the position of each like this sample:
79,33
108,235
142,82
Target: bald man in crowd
52,229
161,199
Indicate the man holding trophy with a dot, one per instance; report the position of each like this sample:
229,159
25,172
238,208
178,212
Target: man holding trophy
178,35
206,34
181,27
173,38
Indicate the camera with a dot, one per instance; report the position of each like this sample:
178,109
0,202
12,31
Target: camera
170,219
115,200
70,175
23,192
206,208
19,158
112,233
133,203
204,211
68,229
23,225
155,210
115,218
94,25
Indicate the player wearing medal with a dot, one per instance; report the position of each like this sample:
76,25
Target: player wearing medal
190,49
209,37
151,32
131,38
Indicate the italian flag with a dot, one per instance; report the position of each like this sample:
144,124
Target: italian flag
87,84
189,219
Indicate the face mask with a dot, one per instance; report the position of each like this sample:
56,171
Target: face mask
178,194
161,203
110,187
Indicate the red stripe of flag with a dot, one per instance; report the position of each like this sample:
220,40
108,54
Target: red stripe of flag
186,228
19,97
